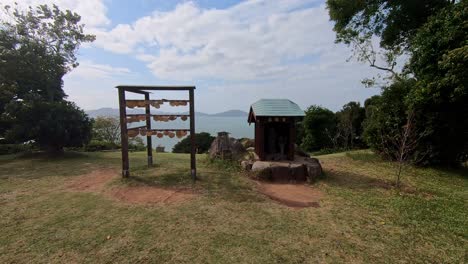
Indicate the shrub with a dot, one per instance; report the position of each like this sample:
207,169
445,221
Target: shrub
13,148
203,142
98,145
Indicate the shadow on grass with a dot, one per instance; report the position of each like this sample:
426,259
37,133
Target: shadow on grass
355,181
179,178
43,156
364,155
214,182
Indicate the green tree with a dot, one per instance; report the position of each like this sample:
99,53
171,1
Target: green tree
106,129
203,142
349,122
319,128
440,65
52,125
37,48
393,22
385,116
433,35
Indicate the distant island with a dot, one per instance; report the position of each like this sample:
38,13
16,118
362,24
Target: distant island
107,111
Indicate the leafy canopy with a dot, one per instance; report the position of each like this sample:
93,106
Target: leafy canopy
106,129
393,22
319,125
37,48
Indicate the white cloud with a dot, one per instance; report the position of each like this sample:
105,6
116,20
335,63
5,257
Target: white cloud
90,70
255,49
91,85
93,12
248,41
252,41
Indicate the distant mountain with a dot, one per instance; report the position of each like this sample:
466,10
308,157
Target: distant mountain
103,112
231,113
115,112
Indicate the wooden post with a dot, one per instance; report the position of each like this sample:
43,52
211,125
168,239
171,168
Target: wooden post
192,136
123,133
260,138
149,145
292,137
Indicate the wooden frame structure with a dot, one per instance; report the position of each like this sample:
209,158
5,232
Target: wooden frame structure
146,129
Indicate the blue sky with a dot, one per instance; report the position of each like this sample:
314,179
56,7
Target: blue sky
234,52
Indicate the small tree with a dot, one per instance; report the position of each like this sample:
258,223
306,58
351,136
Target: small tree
403,145
349,127
106,129
203,142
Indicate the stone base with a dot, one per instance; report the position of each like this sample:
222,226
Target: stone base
299,170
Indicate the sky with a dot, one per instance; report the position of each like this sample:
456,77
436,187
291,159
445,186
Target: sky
234,52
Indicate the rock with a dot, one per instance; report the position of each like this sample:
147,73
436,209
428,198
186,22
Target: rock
247,142
246,165
280,173
225,147
299,152
314,169
297,171
262,170
260,165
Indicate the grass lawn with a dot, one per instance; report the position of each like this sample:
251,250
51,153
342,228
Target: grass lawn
361,219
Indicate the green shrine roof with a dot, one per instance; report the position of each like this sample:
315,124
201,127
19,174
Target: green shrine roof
276,107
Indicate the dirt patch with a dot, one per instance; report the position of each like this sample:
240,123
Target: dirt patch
292,195
97,180
93,181
148,195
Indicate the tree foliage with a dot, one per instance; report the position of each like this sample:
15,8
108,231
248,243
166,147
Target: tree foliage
434,36
385,116
203,142
37,48
349,125
106,129
393,22
323,129
319,125
53,125
440,64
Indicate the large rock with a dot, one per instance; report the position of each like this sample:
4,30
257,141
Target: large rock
314,169
262,170
286,171
298,172
299,152
247,142
225,147
246,165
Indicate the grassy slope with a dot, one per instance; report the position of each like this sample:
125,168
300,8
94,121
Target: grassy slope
358,221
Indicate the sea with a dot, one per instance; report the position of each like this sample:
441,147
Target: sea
236,126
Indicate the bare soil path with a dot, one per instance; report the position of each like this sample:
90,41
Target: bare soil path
97,182
292,195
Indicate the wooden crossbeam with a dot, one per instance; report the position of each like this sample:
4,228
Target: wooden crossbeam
177,115
159,130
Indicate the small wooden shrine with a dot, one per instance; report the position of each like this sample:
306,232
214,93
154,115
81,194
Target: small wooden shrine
275,128
147,130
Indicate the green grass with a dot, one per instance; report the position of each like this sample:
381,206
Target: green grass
362,218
